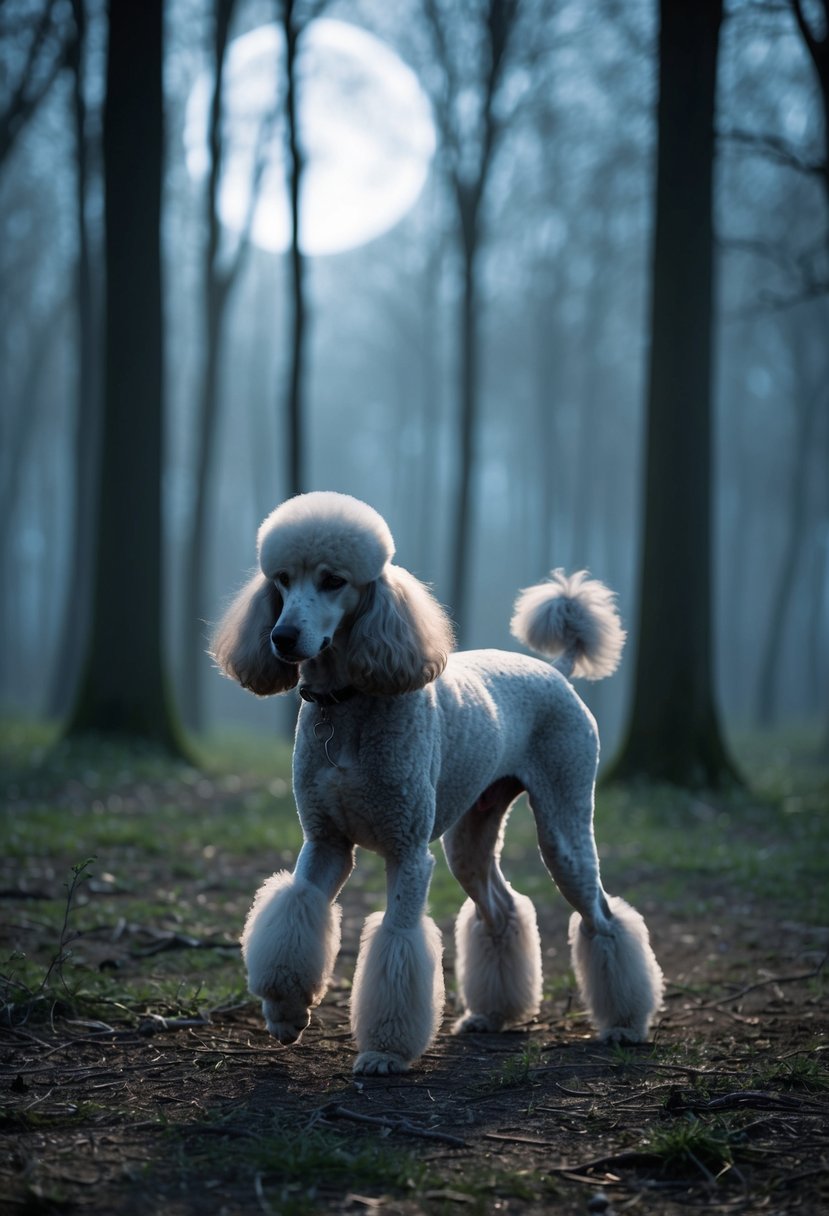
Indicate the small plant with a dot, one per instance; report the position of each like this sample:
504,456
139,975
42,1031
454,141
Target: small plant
291,1163
691,1143
63,954
20,998
623,1055
800,1071
518,1068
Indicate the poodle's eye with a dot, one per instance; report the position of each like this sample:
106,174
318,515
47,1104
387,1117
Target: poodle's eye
283,579
331,582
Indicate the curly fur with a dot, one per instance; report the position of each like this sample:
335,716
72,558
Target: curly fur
290,944
402,638
242,643
418,744
572,619
498,973
397,999
325,528
617,959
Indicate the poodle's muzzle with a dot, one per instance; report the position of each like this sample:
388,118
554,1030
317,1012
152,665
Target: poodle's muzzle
284,639
315,604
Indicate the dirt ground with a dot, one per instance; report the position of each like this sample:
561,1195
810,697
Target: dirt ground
124,1111
727,1112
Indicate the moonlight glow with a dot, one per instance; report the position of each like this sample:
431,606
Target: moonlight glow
365,127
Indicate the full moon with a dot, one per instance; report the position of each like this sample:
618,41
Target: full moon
365,127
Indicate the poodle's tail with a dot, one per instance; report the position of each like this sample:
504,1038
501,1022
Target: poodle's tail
573,620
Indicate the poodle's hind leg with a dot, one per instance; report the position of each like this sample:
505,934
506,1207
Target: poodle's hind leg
619,979
397,999
497,945
292,936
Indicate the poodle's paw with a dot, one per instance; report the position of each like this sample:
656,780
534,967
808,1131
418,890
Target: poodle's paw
285,1023
478,1023
380,1063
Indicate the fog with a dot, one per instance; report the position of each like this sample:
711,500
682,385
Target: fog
565,234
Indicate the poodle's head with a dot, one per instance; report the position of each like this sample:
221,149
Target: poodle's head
336,606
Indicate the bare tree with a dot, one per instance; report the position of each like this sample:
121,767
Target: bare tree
807,416
43,57
478,36
295,19
817,44
222,270
217,285
674,733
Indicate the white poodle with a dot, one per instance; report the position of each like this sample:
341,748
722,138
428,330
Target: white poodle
399,741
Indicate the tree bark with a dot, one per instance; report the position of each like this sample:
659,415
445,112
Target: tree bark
467,424
296,379
216,292
87,430
785,583
674,733
25,98
817,44
468,185
123,686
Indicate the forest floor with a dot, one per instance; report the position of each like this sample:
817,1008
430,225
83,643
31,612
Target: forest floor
136,1074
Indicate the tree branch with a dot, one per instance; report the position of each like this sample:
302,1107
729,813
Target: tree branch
773,147
22,104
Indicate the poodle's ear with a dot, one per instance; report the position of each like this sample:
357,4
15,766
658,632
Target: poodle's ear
402,637
242,641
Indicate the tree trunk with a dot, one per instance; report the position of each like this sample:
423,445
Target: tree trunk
195,566
87,432
796,532
123,687
817,45
296,379
216,292
460,551
674,733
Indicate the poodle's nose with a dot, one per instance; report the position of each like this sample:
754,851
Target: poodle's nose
284,639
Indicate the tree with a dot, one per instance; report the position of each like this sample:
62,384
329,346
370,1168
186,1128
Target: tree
122,686
808,400
41,64
86,437
295,19
817,45
468,148
218,280
673,733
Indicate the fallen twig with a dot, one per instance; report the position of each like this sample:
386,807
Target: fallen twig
335,1111
758,1099
773,979
155,1023
179,941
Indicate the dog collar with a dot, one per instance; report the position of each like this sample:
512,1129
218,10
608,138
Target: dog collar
326,699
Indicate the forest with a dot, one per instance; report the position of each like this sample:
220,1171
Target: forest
465,261
546,283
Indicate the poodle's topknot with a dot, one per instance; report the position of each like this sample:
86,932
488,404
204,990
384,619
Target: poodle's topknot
326,528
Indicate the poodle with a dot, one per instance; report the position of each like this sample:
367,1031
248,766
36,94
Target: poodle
399,742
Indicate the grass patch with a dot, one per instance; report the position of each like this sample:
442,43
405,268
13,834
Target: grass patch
181,847
803,1071
691,1145
293,1165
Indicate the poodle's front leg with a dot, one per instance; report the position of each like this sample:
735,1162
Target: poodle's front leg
397,999
292,936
